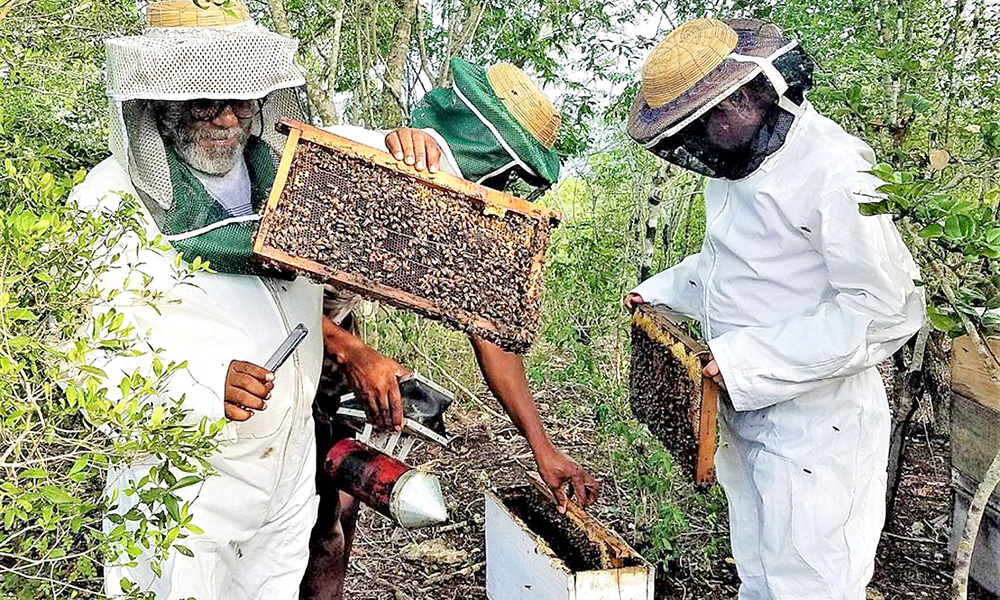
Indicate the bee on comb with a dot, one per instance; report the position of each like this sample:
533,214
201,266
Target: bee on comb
670,395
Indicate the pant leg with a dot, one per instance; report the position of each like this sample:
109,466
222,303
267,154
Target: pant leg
805,482
272,563
328,550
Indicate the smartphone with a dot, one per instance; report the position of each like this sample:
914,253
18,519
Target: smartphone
287,347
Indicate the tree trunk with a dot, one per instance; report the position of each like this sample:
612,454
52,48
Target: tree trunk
392,101
457,42
963,556
314,88
905,407
652,221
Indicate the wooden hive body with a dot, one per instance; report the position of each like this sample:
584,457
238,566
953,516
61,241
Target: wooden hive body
669,394
975,437
521,564
354,217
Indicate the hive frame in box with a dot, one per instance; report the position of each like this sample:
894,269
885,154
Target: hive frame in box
707,414
492,203
520,564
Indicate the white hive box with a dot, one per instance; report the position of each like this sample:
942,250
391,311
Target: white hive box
522,565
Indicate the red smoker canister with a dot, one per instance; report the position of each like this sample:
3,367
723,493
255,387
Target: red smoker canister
409,496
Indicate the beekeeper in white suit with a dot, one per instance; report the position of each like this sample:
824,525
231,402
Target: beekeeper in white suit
798,295
194,100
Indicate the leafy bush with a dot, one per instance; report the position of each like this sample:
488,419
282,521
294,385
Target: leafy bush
64,425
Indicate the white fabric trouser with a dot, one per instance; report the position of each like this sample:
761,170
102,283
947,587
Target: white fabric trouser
235,560
806,482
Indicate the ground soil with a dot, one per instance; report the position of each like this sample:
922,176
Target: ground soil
391,563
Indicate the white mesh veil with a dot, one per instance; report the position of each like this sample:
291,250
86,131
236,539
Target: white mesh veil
242,61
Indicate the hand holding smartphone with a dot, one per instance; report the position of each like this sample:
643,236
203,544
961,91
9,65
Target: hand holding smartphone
287,347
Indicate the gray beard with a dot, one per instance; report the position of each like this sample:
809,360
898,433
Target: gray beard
212,160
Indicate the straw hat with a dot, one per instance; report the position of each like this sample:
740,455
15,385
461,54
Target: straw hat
186,13
687,55
525,101
699,64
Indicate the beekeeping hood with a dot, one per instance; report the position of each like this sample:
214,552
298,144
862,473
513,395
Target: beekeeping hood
187,53
496,123
700,64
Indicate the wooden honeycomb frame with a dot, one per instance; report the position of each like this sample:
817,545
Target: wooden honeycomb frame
658,340
458,198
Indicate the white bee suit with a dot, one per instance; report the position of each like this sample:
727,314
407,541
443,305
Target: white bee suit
800,296
257,512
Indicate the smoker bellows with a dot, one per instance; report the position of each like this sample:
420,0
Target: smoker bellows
447,248
669,394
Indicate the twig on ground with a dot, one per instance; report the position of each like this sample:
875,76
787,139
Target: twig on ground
440,577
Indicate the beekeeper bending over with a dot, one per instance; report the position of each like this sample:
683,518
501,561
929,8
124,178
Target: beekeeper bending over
798,295
194,100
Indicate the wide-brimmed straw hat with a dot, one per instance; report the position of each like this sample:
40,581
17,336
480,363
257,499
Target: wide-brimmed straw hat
190,52
697,66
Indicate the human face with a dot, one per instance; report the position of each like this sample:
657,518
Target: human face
734,121
209,137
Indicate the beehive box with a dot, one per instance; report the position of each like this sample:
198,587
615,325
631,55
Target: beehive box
975,438
669,394
535,553
354,217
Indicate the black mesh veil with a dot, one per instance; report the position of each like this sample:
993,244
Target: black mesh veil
736,135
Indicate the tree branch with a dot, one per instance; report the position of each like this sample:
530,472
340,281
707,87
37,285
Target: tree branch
458,42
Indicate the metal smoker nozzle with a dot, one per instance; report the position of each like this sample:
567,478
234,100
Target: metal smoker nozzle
417,500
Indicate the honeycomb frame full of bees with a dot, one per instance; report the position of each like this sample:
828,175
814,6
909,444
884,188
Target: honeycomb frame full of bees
352,216
668,392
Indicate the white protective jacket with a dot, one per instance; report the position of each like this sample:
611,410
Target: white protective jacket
800,296
257,513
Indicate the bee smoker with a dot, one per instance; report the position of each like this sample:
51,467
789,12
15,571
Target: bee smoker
407,495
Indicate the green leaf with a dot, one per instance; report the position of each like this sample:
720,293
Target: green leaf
184,482
34,473
183,550
93,371
79,464
170,502
934,230
21,314
958,227
941,322
57,495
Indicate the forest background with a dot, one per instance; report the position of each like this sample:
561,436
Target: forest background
917,79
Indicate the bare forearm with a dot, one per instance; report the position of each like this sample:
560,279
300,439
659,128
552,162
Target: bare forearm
338,341
504,374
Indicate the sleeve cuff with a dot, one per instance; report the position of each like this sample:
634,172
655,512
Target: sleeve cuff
737,384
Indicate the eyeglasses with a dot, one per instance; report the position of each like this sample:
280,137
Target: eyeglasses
207,110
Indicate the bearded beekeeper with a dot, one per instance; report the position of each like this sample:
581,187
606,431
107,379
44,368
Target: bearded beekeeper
194,100
798,295
495,127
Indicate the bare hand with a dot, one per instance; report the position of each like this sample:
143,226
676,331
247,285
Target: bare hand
374,377
559,471
712,370
631,301
414,147
248,387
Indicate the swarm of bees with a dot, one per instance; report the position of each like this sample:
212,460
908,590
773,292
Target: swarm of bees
665,382
440,252
567,541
